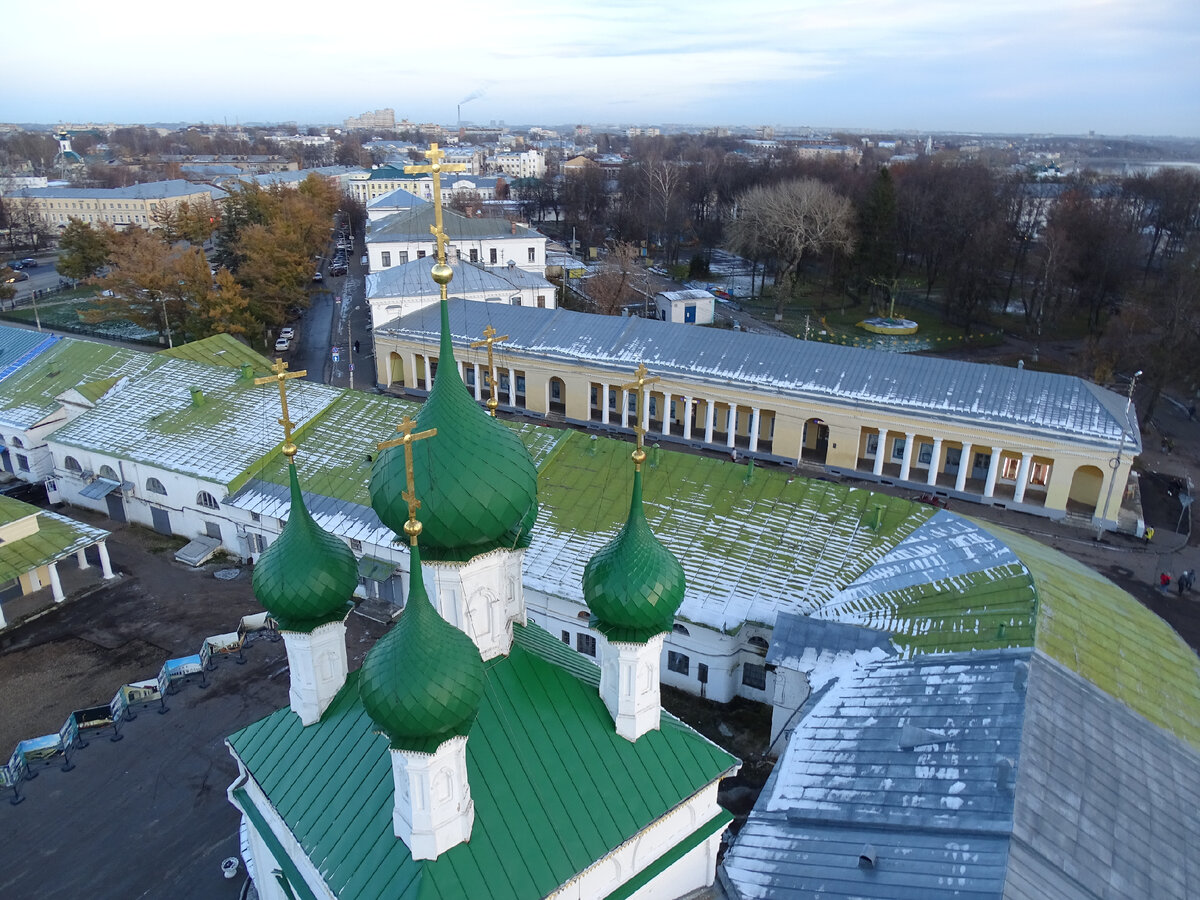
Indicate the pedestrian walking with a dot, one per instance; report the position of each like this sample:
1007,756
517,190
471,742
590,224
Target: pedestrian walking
1164,581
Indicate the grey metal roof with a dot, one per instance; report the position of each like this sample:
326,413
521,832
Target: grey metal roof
800,642
1108,805
932,388
399,199
345,519
153,190
900,755
413,279
414,224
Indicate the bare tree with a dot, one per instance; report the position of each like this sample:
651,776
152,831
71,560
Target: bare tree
612,288
789,222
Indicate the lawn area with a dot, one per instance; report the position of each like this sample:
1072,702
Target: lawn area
62,313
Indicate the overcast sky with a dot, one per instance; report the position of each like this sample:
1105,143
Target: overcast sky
1065,66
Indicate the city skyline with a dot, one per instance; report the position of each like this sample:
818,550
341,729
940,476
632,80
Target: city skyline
1063,66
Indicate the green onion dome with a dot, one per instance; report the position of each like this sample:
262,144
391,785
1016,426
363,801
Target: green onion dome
422,683
308,575
633,585
476,480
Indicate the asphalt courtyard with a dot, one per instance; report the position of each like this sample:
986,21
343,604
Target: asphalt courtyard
146,816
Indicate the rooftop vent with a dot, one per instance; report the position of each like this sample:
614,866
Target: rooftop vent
197,396
867,856
912,737
1020,675
1004,772
246,373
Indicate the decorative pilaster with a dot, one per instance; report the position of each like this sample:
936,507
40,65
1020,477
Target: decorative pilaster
317,664
482,598
629,685
433,809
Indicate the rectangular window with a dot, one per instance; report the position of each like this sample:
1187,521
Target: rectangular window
474,255
898,448
925,453
983,460
255,517
420,254
257,542
22,462
678,662
1040,474
754,676
356,546
566,638
541,301
532,254
556,390
585,644
520,383
402,257
872,444
953,457
492,256
386,258
1009,466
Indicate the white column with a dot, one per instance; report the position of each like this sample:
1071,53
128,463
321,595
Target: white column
709,411
512,387
410,373
645,400
624,408
906,460
604,404
687,418
105,565
629,685
964,467
1022,477
880,451
478,384
546,407
666,414
731,425
754,416
989,488
55,584
432,806
81,555
935,462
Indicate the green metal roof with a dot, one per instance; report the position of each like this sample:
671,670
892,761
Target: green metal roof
633,585
219,350
56,537
307,574
422,682
555,788
29,395
1098,630
476,481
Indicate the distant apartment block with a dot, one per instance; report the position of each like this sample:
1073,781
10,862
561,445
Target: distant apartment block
379,120
525,164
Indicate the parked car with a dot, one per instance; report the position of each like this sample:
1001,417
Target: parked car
29,263
282,344
289,332
16,276
318,277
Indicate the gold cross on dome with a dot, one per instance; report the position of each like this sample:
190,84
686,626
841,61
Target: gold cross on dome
436,167
489,338
640,385
281,377
412,527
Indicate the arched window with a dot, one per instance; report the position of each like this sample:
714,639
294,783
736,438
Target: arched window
107,472
680,629
207,500
759,643
154,486
16,442
71,464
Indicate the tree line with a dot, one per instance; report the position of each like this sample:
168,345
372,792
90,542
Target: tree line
265,244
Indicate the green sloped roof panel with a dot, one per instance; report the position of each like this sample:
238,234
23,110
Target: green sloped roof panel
555,788
1098,630
220,350
56,537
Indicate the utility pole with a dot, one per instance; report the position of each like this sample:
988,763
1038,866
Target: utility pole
350,349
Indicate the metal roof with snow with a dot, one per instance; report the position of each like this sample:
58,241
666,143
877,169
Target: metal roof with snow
19,345
414,225
1062,406
412,279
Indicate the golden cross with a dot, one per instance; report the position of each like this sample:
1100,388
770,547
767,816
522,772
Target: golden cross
489,338
639,454
412,527
435,168
281,376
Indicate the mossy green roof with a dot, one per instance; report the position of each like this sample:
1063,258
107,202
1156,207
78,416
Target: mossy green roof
545,810
56,537
220,350
1098,630
29,395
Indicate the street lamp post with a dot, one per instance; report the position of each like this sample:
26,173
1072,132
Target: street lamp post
1115,463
